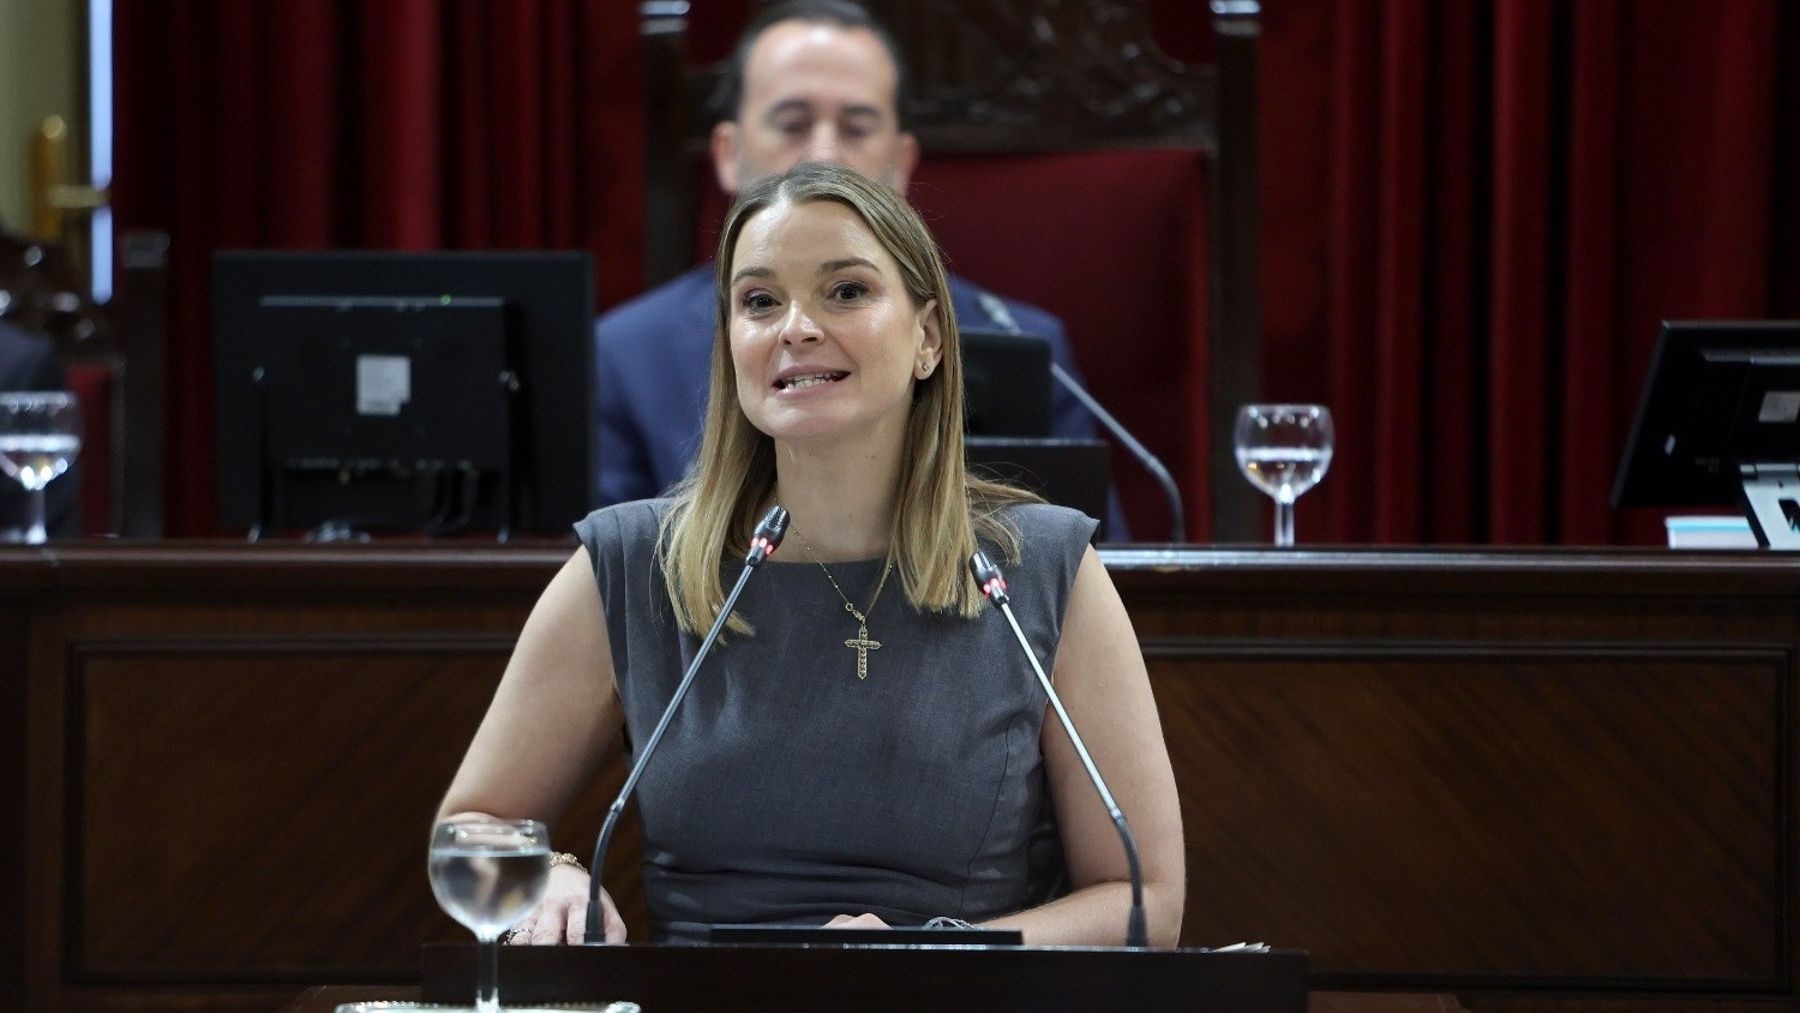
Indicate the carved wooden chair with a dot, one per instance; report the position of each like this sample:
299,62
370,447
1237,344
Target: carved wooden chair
1068,163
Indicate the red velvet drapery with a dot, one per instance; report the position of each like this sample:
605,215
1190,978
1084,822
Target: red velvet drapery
1476,214
404,124
1473,213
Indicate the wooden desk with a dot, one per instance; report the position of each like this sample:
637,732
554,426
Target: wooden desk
1540,781
881,979
325,999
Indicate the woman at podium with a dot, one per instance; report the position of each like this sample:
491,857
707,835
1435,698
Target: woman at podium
867,745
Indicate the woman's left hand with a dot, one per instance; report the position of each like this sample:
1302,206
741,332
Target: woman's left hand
861,921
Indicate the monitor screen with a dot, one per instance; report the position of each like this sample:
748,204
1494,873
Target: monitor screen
1006,383
403,391
1719,395
1071,473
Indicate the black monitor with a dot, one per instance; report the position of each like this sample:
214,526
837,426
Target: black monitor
1718,424
385,391
1006,383
1071,473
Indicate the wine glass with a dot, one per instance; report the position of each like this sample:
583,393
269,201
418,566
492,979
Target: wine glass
488,874
40,434
1284,449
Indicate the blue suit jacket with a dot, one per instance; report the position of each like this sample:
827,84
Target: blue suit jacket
652,357
29,362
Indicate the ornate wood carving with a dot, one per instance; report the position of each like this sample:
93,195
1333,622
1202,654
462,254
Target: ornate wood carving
1011,75
989,77
994,76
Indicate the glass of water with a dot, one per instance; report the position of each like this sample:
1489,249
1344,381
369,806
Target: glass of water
1284,449
488,874
40,434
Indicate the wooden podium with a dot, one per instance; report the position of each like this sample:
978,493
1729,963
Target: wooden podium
877,979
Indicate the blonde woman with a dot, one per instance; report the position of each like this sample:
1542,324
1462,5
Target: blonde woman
866,747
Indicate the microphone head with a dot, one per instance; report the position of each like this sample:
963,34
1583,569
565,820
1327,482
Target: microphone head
988,578
768,535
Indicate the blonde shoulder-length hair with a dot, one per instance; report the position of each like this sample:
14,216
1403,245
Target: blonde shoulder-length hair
940,507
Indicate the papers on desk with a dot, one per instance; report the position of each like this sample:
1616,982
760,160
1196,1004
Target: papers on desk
1709,533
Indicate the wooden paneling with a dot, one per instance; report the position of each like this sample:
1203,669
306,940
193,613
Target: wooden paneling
279,764
341,733
1542,781
13,647
1504,810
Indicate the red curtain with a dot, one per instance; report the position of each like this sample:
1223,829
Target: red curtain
1474,217
403,124
1474,214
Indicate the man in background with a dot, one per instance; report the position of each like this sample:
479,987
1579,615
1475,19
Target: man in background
809,81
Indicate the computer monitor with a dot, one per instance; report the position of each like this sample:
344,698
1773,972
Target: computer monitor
1071,473
380,391
1006,383
1718,424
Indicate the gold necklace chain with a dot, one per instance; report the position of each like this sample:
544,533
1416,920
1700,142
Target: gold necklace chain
862,645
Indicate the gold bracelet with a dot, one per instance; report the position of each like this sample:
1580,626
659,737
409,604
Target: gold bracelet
564,858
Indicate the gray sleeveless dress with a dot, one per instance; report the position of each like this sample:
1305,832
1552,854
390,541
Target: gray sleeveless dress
786,791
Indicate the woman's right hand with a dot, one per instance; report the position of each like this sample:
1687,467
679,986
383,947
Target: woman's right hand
561,917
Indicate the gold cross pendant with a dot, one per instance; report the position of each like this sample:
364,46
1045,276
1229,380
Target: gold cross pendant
862,645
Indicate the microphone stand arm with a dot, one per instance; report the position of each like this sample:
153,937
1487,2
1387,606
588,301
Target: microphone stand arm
1177,525
1136,934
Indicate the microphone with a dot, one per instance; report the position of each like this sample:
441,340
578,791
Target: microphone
763,543
993,586
997,311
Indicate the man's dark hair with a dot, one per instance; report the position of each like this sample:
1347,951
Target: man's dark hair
728,92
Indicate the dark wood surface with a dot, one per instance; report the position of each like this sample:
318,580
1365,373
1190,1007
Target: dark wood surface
1234,341
882,979
1537,780
327,998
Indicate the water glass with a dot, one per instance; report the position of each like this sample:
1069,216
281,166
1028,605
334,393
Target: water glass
488,874
40,434
1284,450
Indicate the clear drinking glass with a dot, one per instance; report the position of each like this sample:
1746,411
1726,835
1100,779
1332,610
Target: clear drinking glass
40,434
488,874
1284,449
